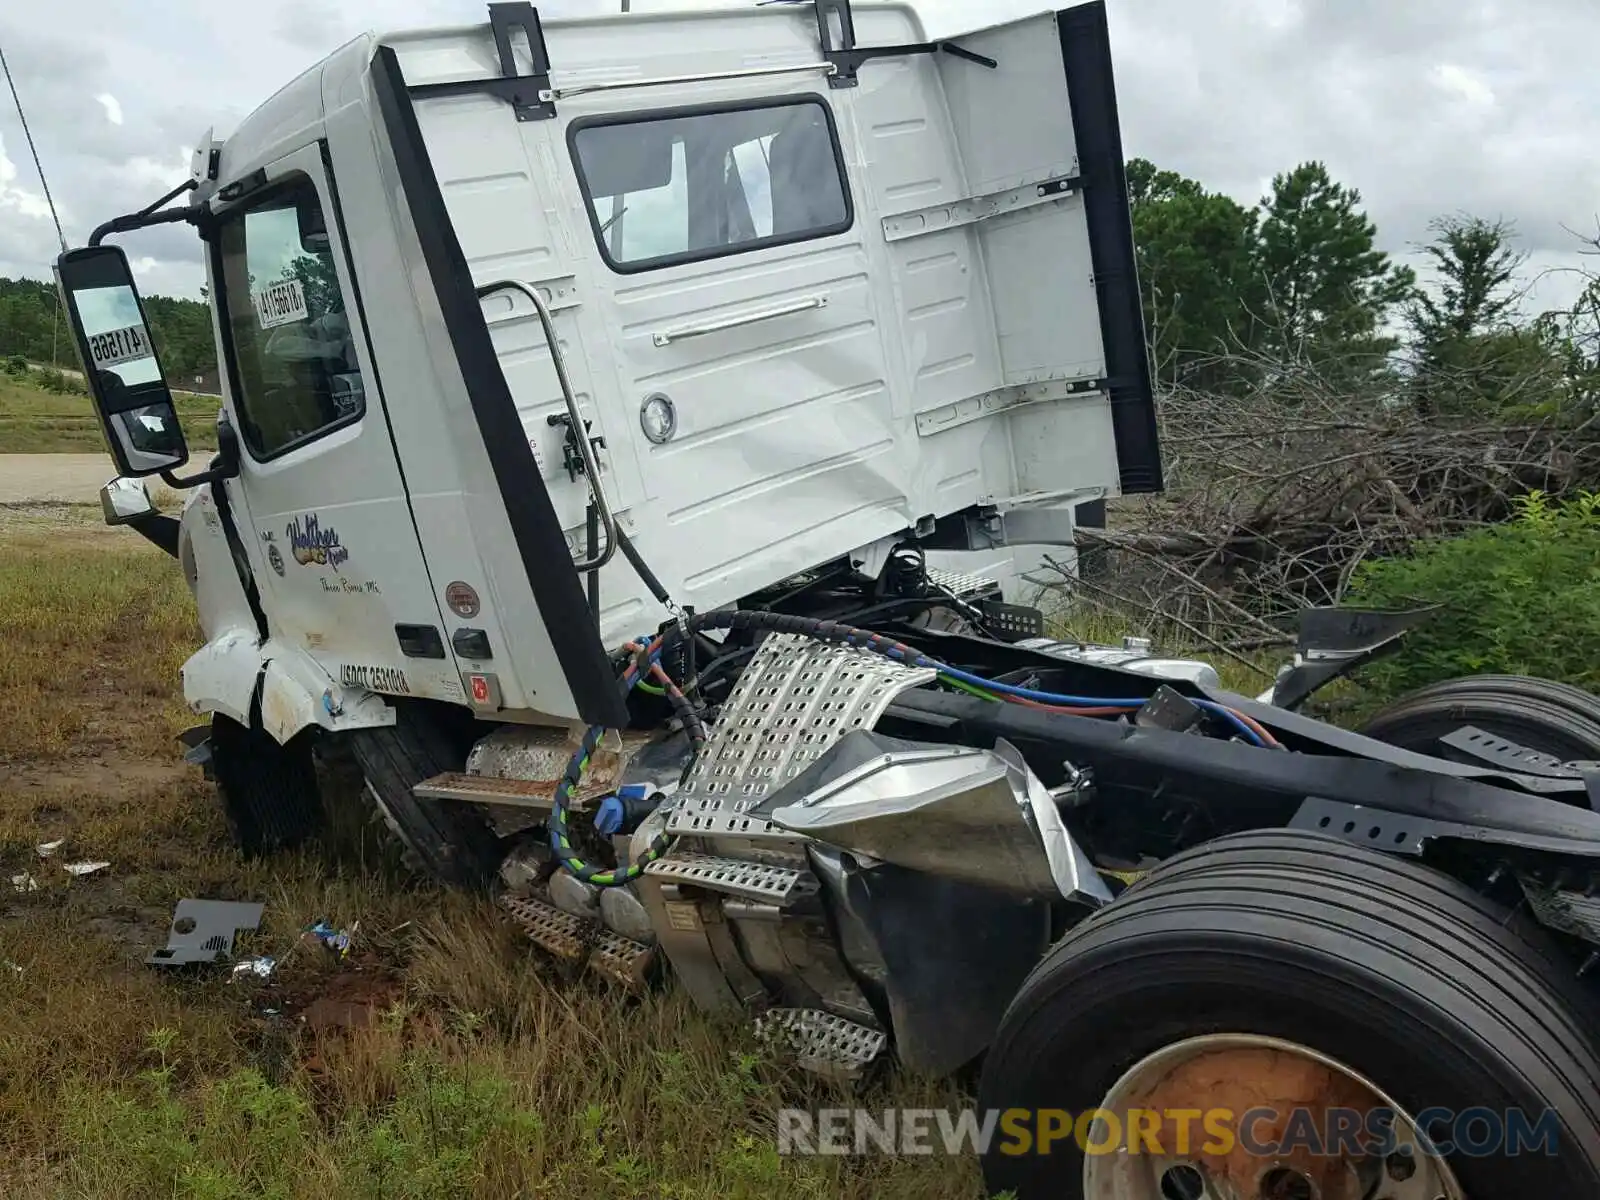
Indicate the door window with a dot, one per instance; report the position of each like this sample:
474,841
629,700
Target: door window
295,373
676,186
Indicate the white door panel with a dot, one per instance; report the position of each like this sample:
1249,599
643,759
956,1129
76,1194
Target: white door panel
324,513
495,179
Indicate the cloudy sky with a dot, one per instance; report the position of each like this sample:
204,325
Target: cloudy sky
1426,106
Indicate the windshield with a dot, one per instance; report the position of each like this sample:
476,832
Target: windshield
294,360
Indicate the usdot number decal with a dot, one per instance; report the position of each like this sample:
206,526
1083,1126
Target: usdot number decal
118,346
281,304
375,679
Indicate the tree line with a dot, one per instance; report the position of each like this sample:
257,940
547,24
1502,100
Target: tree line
1234,292
33,327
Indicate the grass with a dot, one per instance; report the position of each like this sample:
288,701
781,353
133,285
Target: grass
483,1072
35,421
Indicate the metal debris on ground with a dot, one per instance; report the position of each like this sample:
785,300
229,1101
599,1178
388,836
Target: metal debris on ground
46,849
257,968
81,869
24,883
203,930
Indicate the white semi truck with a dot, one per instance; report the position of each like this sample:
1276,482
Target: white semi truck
635,432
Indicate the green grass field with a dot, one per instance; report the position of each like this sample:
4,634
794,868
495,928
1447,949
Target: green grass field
35,421
443,1059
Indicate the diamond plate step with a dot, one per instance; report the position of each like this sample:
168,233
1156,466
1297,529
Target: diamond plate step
796,698
966,587
561,933
622,960
574,939
753,881
822,1042
484,789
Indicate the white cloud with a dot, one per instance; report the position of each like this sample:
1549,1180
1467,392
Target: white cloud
1429,107
16,198
157,175
113,109
1465,84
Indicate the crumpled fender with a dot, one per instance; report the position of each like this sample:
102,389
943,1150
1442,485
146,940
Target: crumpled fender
233,674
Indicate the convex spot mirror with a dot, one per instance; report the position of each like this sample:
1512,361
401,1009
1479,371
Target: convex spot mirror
119,361
124,501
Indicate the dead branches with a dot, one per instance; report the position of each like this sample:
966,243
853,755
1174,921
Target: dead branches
1277,492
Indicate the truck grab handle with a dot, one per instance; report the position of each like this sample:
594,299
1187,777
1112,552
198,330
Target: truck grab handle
667,336
585,449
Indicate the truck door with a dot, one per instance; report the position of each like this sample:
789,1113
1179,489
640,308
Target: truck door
996,176
323,509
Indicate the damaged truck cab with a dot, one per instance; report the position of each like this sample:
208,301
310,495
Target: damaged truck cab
638,432
748,310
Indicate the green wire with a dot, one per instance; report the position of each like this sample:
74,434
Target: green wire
652,688
967,687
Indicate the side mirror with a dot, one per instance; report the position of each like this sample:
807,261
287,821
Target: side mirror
119,361
125,501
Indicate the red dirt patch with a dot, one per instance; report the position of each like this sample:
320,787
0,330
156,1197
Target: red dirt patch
352,997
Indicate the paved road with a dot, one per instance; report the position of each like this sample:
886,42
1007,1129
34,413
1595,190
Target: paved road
75,478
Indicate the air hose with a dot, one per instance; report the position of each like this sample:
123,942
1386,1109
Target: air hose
646,660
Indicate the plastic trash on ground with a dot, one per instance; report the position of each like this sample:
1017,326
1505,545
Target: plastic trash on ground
253,968
337,940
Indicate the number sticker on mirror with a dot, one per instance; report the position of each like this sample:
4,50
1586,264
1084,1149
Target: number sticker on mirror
281,304
118,346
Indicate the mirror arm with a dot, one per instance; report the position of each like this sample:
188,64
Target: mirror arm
224,465
219,469
148,215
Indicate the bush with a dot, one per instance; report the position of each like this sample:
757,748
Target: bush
16,365
1519,598
51,380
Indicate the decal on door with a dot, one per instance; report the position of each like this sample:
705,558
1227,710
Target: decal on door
313,544
283,303
350,587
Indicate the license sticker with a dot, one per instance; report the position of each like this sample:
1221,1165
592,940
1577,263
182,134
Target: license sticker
283,303
375,679
119,346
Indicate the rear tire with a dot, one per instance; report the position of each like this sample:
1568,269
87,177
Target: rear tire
268,791
440,839
1396,972
1553,718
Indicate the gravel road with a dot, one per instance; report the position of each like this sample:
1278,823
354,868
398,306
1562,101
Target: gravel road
75,478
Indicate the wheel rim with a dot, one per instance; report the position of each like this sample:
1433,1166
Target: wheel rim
1301,1101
